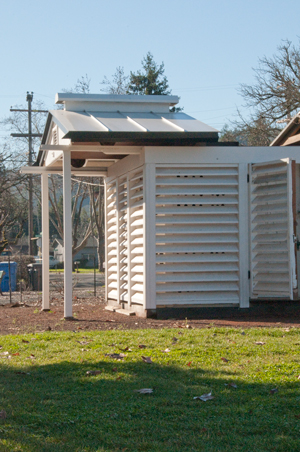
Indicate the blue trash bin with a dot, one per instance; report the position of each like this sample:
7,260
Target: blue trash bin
13,276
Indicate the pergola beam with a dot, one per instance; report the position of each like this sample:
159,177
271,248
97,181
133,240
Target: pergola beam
96,172
109,150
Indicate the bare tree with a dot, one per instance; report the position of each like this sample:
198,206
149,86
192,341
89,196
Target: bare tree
97,216
251,131
118,84
82,86
276,93
81,224
12,203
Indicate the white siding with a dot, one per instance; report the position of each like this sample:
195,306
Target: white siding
197,234
272,247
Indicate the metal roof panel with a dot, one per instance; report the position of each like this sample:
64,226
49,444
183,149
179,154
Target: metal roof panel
69,121
152,122
187,123
115,121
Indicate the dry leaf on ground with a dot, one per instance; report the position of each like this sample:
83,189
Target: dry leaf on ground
273,391
25,342
167,350
127,349
83,342
2,414
144,390
175,339
4,353
260,343
142,346
147,359
93,372
233,385
225,360
115,355
204,397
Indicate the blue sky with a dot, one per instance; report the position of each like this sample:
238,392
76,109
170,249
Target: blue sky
208,47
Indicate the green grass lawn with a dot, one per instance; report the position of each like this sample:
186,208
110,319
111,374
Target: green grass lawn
52,405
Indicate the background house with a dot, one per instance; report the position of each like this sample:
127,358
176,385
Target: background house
85,256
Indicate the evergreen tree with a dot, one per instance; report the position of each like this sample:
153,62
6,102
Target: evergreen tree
150,80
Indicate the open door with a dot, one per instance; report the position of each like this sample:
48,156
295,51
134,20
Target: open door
273,230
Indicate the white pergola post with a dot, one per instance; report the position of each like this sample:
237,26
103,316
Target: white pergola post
67,234
45,241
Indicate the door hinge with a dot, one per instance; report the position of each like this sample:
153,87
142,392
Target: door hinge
249,274
248,178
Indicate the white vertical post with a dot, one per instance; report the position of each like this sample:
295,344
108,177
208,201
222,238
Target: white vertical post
129,238
67,200
118,239
149,237
45,240
244,264
105,238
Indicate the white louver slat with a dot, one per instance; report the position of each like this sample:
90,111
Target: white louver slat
273,268
197,235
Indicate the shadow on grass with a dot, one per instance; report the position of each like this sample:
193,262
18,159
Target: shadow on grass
58,408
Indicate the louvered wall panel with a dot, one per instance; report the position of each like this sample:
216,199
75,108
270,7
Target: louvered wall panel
112,241
136,227
271,233
123,239
197,235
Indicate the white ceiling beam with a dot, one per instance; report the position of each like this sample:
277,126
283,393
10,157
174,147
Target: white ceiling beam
76,172
120,150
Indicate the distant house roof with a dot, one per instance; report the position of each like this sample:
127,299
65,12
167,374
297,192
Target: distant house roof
290,135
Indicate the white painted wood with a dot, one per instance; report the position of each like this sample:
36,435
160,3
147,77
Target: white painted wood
106,225
149,236
273,265
126,165
185,156
243,236
136,218
59,170
67,217
197,234
292,238
111,240
45,240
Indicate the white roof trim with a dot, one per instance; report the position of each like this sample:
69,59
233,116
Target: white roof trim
61,98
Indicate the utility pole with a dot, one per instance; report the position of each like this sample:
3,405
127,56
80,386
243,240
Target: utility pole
29,135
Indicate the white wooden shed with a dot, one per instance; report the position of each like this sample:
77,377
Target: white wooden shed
190,222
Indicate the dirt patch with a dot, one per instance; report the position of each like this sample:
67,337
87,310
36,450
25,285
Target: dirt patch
25,316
